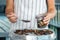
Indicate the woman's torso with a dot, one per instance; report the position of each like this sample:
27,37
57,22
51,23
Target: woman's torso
28,10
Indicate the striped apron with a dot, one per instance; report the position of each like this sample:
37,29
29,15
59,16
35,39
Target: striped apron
28,10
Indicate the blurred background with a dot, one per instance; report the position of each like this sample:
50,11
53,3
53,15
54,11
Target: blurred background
4,23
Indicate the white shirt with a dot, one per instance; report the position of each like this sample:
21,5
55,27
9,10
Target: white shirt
28,10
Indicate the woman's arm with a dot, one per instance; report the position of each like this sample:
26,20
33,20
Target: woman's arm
51,11
51,6
10,11
9,6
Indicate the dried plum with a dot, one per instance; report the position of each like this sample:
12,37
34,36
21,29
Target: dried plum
36,32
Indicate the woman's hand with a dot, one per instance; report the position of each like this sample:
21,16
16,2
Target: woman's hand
51,11
10,11
48,17
12,17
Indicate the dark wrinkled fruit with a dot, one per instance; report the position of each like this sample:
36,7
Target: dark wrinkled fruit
41,24
26,20
36,32
20,32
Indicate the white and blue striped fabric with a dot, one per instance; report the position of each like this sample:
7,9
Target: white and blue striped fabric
28,10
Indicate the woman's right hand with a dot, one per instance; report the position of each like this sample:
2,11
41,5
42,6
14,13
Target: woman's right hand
12,17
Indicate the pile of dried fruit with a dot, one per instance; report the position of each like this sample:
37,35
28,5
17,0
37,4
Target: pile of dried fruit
36,32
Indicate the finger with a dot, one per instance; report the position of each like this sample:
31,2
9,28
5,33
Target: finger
46,19
46,22
13,15
13,19
10,15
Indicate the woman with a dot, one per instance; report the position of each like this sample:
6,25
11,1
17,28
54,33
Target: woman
19,10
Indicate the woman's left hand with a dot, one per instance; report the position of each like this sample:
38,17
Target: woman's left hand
48,17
